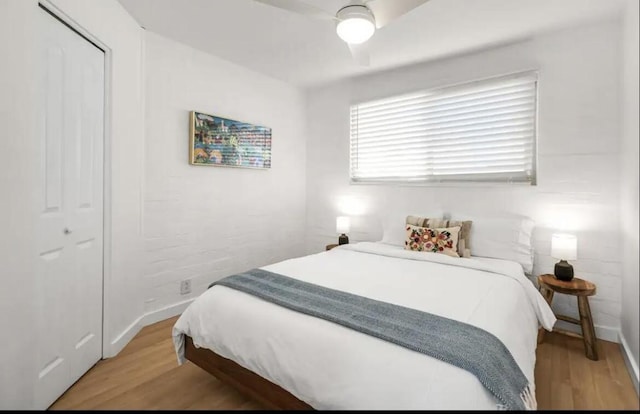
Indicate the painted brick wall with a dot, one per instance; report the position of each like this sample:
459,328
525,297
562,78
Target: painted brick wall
578,156
204,223
629,186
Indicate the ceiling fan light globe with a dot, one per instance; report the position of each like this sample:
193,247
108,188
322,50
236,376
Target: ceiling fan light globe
355,30
356,24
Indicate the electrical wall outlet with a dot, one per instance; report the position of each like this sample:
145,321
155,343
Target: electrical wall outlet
185,287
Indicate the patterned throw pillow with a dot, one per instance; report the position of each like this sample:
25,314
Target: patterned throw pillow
424,239
464,246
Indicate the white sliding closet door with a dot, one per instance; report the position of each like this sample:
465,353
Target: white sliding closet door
70,208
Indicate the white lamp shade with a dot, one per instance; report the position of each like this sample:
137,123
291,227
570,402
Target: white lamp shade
355,31
343,224
356,24
564,247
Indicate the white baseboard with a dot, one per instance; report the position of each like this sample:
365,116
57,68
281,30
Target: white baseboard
165,313
606,333
632,364
123,339
148,318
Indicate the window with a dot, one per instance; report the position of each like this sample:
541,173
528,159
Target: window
481,131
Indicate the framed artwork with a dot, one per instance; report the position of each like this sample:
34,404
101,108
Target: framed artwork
224,142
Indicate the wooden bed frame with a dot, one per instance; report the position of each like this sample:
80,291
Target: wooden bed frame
248,382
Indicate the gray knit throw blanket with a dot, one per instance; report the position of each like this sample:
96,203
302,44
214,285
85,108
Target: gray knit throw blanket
448,340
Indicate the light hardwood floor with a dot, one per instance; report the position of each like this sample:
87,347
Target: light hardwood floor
146,376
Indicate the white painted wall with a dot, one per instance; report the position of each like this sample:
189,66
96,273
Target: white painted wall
578,156
107,21
203,223
17,202
629,185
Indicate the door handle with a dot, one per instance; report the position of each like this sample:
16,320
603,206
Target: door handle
67,230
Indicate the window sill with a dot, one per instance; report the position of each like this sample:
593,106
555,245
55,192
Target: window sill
451,184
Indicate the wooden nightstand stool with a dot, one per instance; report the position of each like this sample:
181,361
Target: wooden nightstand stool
582,289
330,246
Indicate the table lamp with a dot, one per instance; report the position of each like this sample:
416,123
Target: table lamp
563,247
343,225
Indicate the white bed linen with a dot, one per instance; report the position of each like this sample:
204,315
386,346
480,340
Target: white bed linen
333,367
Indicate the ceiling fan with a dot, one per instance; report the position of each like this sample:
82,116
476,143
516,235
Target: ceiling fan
355,22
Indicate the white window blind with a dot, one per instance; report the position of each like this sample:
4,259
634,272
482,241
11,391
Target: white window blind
480,131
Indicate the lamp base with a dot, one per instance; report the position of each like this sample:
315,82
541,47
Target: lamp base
563,271
343,239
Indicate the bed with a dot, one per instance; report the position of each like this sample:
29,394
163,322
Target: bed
287,359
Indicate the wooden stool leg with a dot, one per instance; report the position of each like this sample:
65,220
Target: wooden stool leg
547,294
588,333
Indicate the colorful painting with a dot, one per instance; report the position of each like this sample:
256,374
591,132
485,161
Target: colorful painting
225,142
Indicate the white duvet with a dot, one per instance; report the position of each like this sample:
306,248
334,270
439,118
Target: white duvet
333,367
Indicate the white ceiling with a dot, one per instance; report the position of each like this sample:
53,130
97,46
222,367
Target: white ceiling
304,51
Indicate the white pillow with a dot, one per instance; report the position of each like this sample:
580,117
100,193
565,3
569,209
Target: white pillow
507,237
394,227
